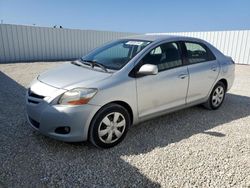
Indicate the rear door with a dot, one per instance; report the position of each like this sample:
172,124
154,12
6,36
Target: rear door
203,70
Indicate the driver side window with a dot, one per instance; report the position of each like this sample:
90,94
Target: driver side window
165,56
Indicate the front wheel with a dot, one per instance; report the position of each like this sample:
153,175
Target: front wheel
216,97
109,126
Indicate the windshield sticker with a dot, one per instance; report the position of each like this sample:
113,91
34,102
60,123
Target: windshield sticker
137,43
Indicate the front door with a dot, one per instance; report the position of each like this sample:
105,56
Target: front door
168,88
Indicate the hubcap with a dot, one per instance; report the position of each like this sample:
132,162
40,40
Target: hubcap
218,96
111,127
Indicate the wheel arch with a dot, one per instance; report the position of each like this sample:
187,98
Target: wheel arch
224,81
121,103
127,107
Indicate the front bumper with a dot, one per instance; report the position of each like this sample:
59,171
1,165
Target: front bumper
46,118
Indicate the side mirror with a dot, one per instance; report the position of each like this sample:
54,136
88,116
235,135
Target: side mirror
148,69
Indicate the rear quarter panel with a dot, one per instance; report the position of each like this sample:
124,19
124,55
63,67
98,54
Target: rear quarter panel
227,66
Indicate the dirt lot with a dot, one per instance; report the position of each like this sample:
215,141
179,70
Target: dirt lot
191,147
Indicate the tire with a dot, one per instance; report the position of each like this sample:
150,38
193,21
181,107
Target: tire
106,128
216,97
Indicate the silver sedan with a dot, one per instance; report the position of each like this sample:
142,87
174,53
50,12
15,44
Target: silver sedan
125,82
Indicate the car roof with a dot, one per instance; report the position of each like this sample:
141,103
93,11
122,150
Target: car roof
160,37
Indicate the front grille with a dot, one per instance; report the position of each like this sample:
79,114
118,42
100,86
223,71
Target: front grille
34,123
34,98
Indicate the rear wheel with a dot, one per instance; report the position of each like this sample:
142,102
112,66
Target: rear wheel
216,97
109,126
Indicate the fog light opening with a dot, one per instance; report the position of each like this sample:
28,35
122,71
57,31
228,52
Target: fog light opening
62,130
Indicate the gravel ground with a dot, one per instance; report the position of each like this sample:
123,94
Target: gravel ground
191,147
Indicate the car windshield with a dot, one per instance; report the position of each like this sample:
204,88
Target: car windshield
116,54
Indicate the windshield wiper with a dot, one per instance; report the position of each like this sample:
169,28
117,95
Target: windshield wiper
94,63
77,64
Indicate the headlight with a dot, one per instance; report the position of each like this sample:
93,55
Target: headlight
77,96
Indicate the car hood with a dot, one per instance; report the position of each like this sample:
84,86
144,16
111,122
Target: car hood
68,76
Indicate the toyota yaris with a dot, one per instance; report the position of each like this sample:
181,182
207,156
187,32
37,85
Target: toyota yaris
124,82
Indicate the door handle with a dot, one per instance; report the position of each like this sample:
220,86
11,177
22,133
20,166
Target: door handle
214,68
182,76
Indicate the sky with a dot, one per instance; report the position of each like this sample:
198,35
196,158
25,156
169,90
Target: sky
137,16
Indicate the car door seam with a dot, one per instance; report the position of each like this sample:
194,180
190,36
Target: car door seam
187,86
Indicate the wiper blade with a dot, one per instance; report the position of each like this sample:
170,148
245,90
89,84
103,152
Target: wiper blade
81,63
94,63
75,63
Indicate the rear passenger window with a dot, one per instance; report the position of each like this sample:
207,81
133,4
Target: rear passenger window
165,56
197,53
